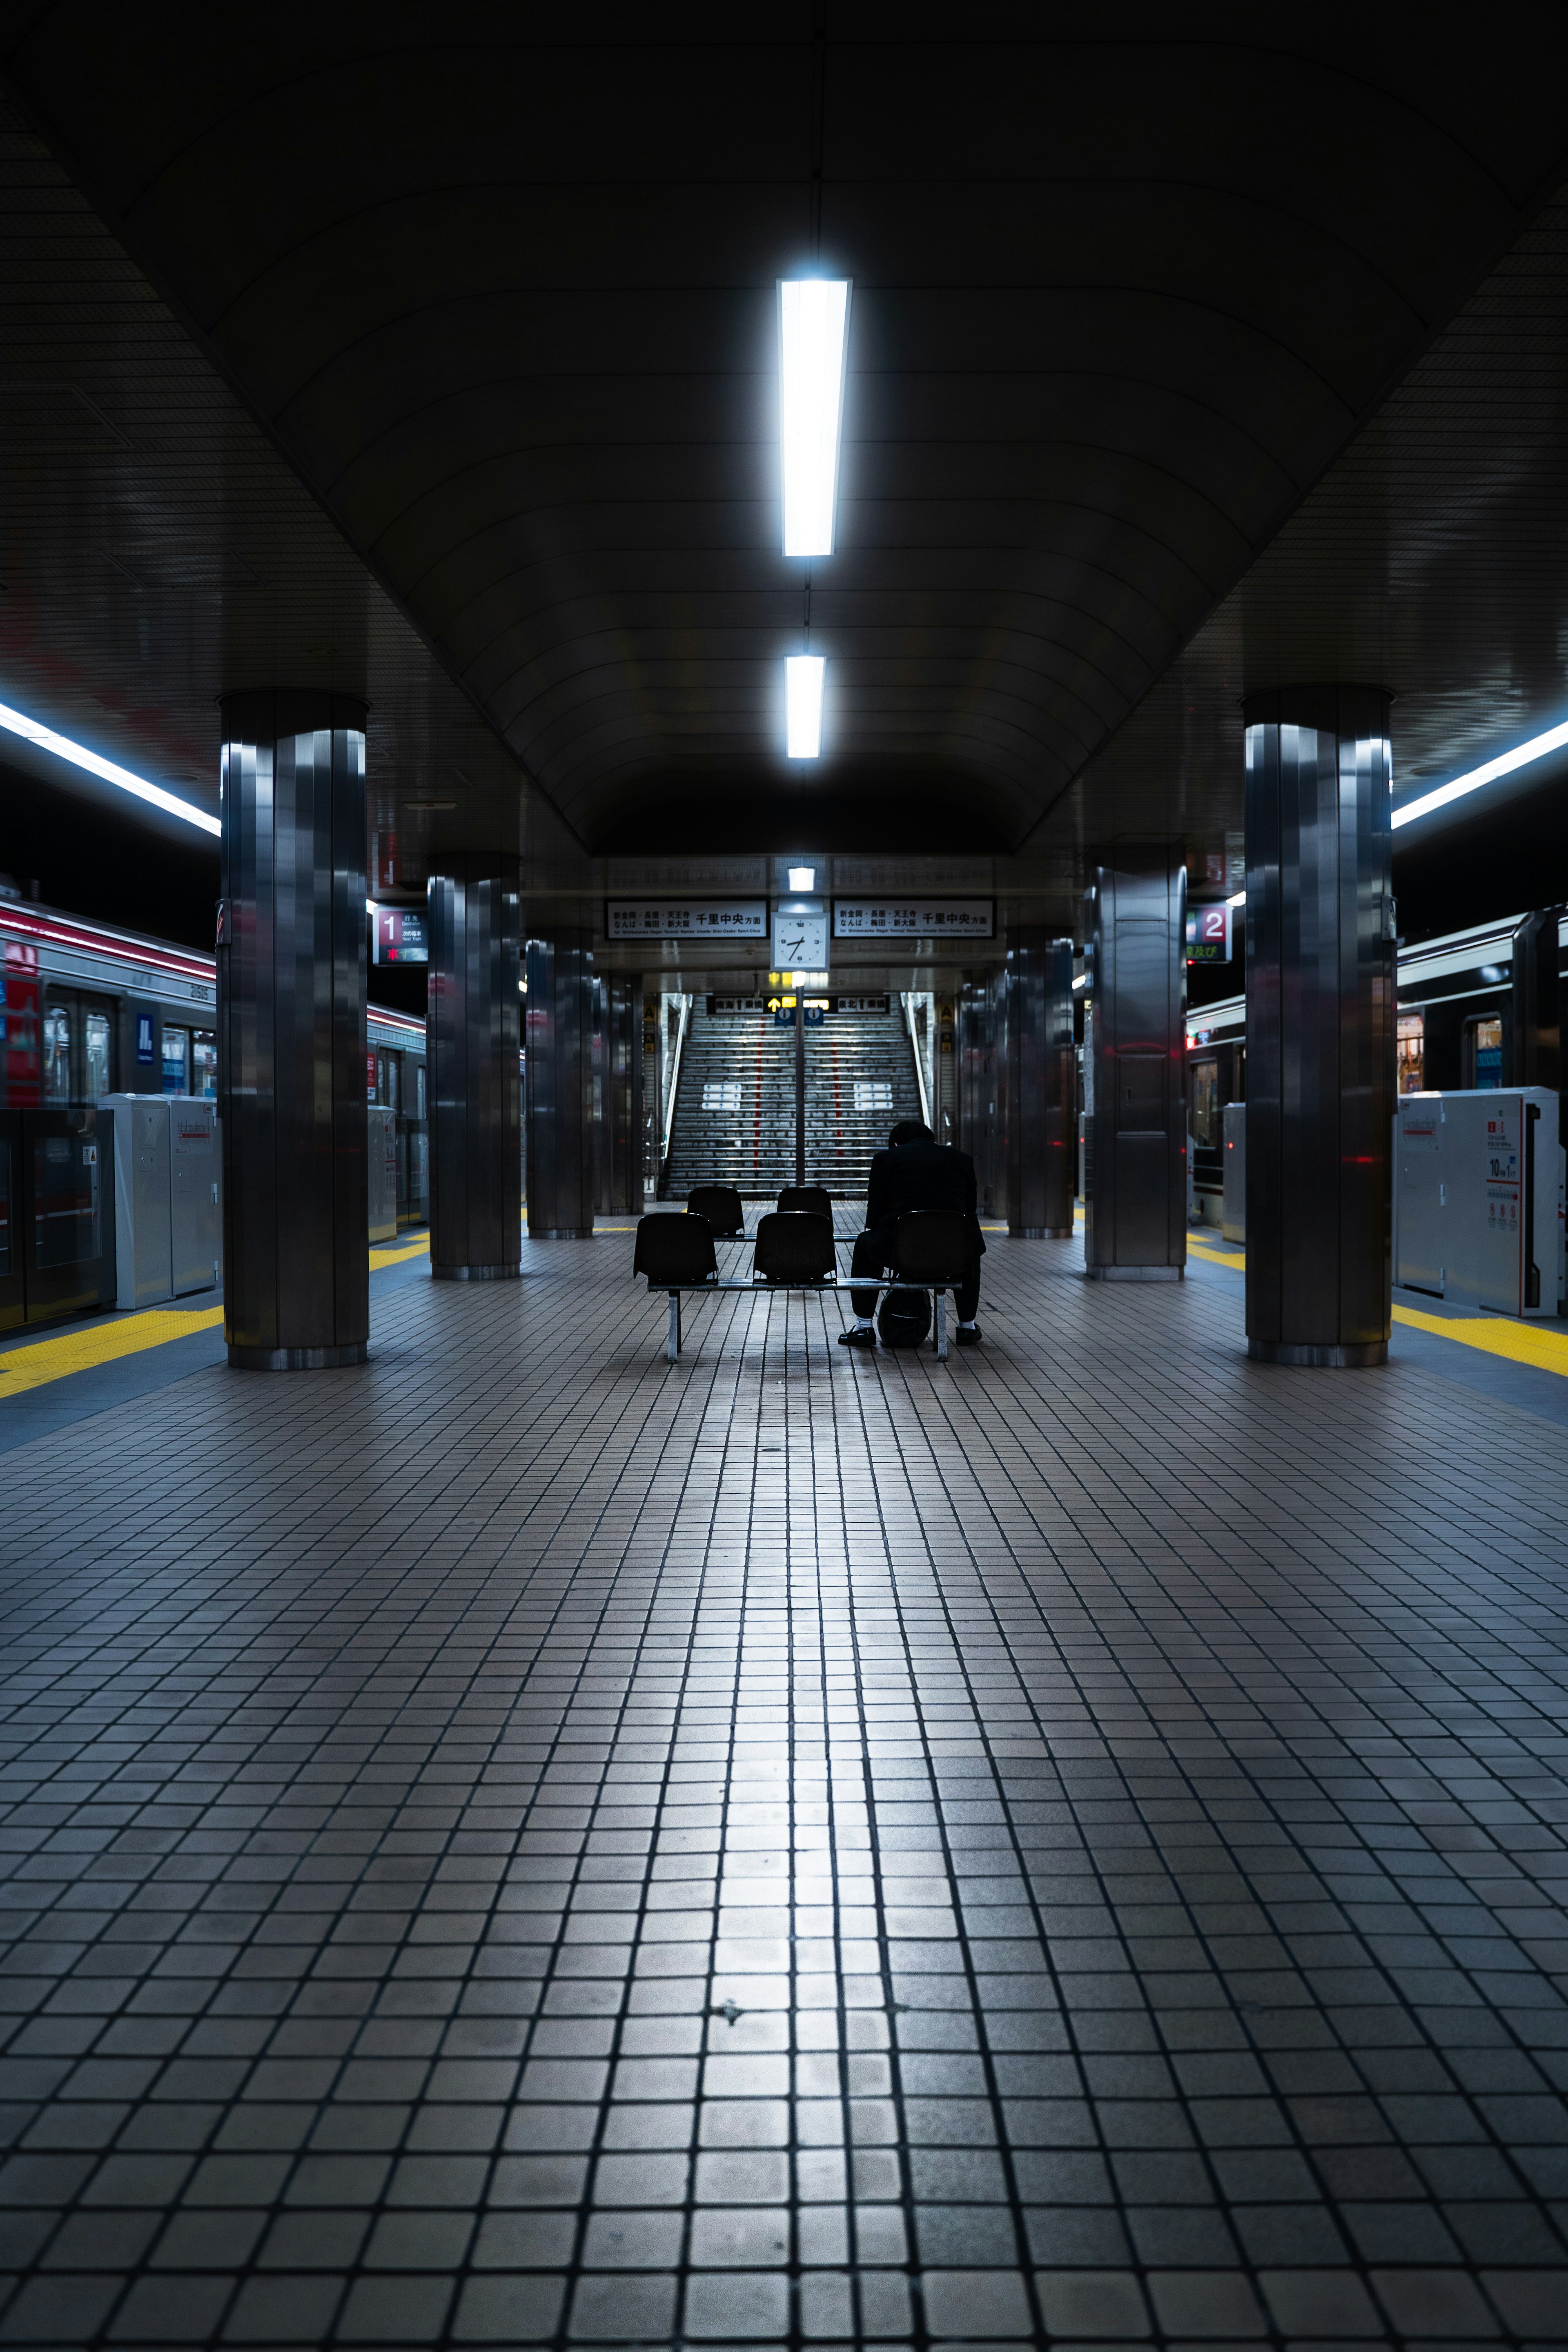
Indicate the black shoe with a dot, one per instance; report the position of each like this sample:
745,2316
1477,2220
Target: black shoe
967,1335
857,1338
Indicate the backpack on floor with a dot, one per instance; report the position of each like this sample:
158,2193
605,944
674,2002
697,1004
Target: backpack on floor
904,1317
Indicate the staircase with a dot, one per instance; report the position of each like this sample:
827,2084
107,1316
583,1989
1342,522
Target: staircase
734,1109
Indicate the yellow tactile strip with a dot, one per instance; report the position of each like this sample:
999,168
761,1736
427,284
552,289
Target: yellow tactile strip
42,1361
1522,1343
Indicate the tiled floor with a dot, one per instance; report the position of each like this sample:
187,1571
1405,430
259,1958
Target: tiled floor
524,1841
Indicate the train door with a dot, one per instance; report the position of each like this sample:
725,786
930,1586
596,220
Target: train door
203,1065
66,1232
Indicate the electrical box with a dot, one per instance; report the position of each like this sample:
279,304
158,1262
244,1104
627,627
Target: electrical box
1233,1216
195,1171
166,1214
1477,1177
381,1168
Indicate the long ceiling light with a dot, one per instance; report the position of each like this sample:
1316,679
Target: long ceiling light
804,675
1520,757
17,723
813,315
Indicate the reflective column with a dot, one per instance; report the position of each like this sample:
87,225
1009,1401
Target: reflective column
474,1096
291,1029
1320,1026
1042,1086
623,1095
1135,1212
560,1050
982,1085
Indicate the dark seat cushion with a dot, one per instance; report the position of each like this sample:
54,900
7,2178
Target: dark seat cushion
794,1247
932,1245
720,1204
674,1250
813,1199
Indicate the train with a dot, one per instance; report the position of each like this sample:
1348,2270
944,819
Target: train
1454,1022
88,1009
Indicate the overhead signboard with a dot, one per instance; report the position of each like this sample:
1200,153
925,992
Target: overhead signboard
1208,934
914,919
686,919
400,937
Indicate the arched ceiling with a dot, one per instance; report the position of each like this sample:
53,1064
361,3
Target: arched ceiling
1124,284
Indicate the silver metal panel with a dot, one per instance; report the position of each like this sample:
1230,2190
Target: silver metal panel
144,1262
473,1034
1233,1215
381,1172
1135,1223
194,1214
1041,1092
291,1031
560,1084
1320,1026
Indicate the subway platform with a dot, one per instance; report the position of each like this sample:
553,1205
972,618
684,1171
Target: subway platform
520,1843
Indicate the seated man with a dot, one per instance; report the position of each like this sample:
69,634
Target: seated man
915,1171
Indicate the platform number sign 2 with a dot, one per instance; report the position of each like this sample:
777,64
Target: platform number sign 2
1209,935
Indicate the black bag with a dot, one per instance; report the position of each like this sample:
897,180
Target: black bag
904,1318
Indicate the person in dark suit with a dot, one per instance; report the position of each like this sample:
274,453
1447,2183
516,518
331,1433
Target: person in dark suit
915,1171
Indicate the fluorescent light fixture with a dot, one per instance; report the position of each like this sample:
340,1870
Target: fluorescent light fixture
1488,774
1082,980
803,877
813,314
17,723
1237,900
802,705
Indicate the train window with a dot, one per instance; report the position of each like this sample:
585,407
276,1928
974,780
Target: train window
419,1089
1483,1050
1412,1052
391,1091
57,1053
176,1048
1208,1126
98,1049
203,1060
4,1204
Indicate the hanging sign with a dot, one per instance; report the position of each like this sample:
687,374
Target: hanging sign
686,919
1208,934
908,919
400,937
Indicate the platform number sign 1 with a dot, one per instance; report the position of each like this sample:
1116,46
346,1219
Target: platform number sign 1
1208,934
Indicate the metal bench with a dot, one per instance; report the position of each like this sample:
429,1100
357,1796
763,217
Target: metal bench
794,1250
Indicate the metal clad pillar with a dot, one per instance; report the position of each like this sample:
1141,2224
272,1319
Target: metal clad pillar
1537,1002
1135,1219
982,1085
624,1095
560,1086
291,1024
1320,1026
1041,1091
475,1100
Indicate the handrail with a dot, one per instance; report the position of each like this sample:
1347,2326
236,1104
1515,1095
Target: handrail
908,995
686,1005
